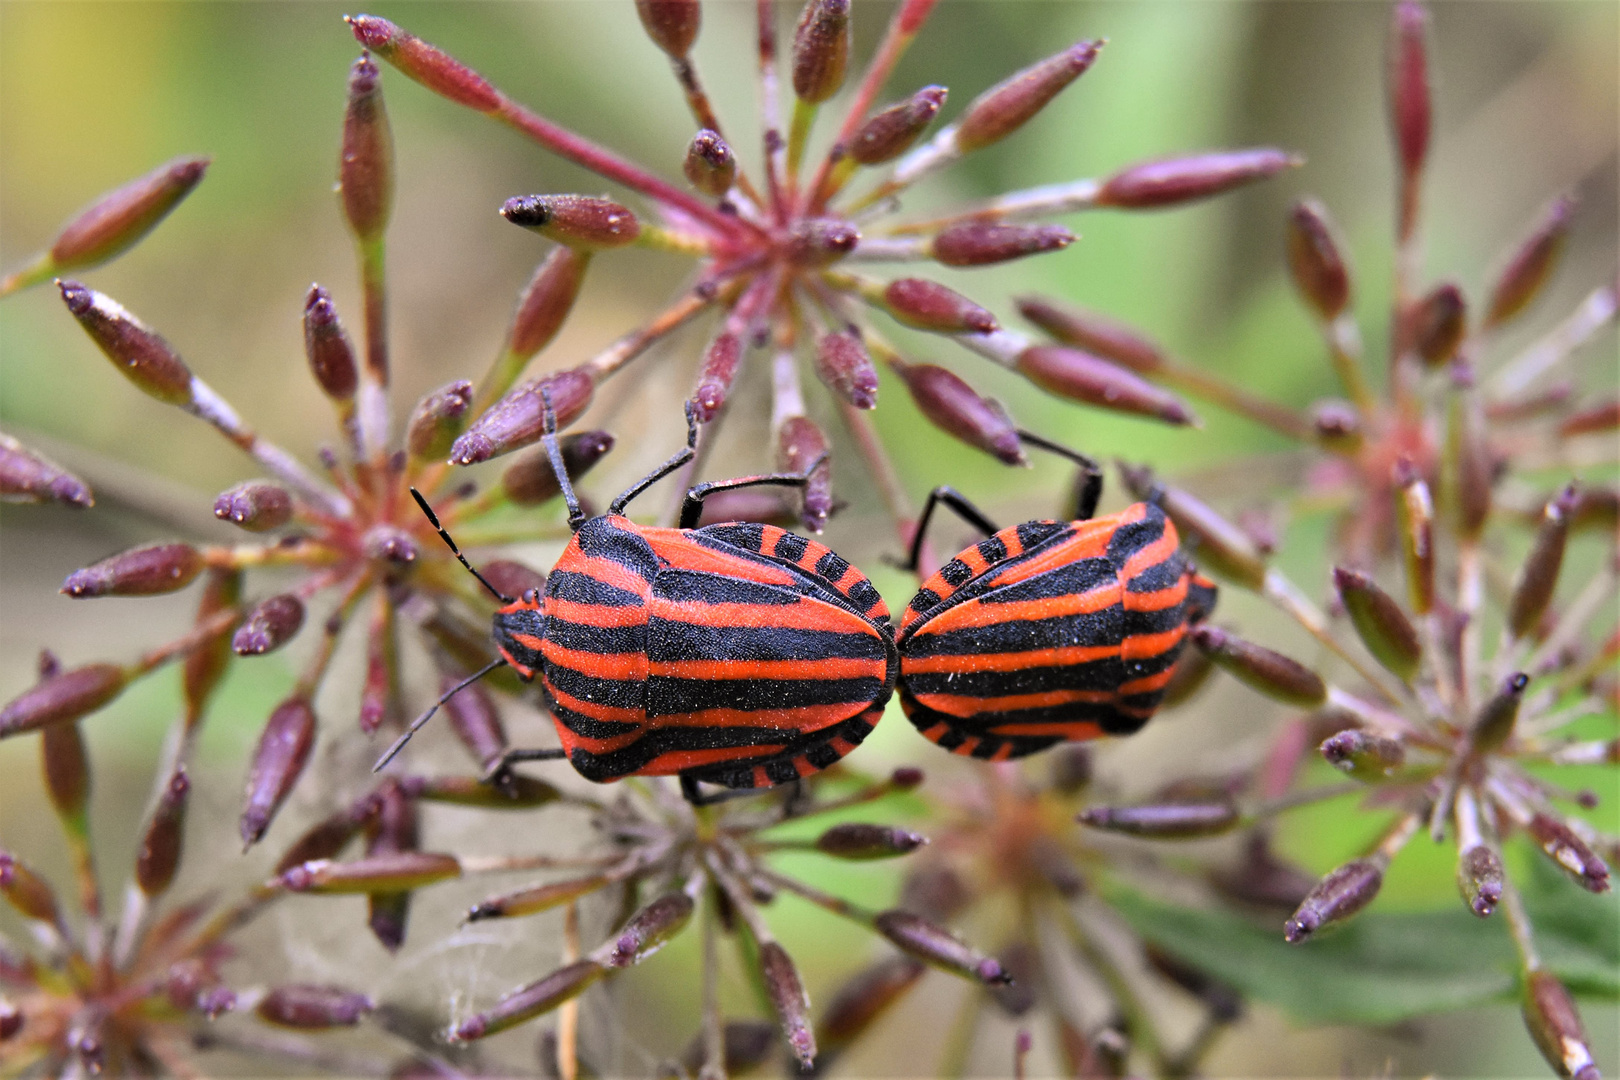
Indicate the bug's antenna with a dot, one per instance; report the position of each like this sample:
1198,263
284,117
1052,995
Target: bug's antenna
399,743
576,516
433,519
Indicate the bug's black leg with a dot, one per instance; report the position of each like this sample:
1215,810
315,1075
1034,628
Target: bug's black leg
548,438
1088,485
694,794
433,519
957,502
502,768
692,506
399,743
680,458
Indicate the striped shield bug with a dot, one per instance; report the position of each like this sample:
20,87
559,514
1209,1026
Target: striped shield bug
741,655
1048,631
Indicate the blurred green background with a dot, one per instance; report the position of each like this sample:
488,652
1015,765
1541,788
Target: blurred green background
92,94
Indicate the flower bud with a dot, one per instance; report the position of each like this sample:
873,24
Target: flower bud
1380,623
1596,507
415,58
1165,821
1338,896
953,406
142,571
27,477
1555,1025
1087,330
546,301
844,365
564,984
1314,259
536,898
366,164
1528,268
67,772
1439,324
1079,376
858,1004
799,442
256,505
710,166
1414,511
1494,724
313,1007
937,946
890,133
473,718
576,220
1173,181
389,872
930,306
530,480
1367,757
1479,879
117,220
981,243
719,371
159,855
283,750
511,791
1218,544
858,841
1409,89
788,999
1538,577
270,625
821,49
650,929
672,24
518,419
817,242
1570,852
26,891
143,357
436,420
1337,425
1004,108
1271,673
62,698
331,357
327,837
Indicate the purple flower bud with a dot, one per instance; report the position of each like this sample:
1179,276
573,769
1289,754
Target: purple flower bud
710,166
788,999
1314,259
433,68
1175,820
1528,268
1439,323
844,365
719,371
117,220
1570,852
1337,425
283,750
1538,577
817,242
1480,879
1271,673
650,929
954,407
1087,330
331,357
27,477
1363,755
798,443
142,571
26,891
821,49
159,855
672,24
927,305
1338,896
366,164
746,1045
530,1001
517,420
143,357
906,777
62,698
546,301
436,420
1220,545
892,131
531,481
67,772
313,1007
856,840
982,243
270,625
1380,623
1173,181
937,946
1004,108
389,872
256,505
576,220
327,837
858,1003
1494,724
1409,91
536,898
1079,376
1555,1025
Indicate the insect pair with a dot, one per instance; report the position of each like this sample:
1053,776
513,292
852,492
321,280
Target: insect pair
746,656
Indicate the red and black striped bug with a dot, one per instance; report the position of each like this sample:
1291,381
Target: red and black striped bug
1049,631
738,654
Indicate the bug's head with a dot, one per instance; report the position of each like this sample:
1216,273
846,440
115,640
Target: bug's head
1201,596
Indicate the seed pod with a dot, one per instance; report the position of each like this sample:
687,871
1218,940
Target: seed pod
1409,88
366,164
927,305
28,477
799,442
1538,577
1173,181
719,371
576,220
1337,425
1494,724
518,419
392,832
954,407
1314,259
1570,852
1528,268
1004,108
142,571
859,1002
1079,376
313,1007
1165,821
159,855
672,24
536,898
1414,511
1555,1025
473,718
143,357
1591,420
1087,330
1380,623
327,837
817,242
530,1001
26,891
937,946
710,166
1365,756
1479,879
384,873
821,50
424,63
270,625
62,698
982,243
844,365
67,772
935,892
1271,673
1596,507
546,301
331,357
1336,897
531,481
256,506
1220,545
436,420
1439,323
650,929
283,750
859,841
117,220
512,791
891,132
788,1000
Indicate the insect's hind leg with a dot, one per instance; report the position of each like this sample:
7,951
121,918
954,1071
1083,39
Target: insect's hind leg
958,503
679,458
695,795
692,506
1088,486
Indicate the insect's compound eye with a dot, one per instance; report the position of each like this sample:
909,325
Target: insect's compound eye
532,597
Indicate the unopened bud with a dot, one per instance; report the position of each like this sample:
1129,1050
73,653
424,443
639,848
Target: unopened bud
1315,259
366,165
1380,623
934,891
436,420
1500,714
536,898
799,443
530,1001
433,68
981,243
1165,821
1178,180
745,1046
1572,854
384,873
1363,755
257,506
1409,87
1439,323
1530,265
1480,878
283,750
1079,376
27,892
821,46
518,419
1555,1025
531,480
142,571
159,855
67,772
143,357
672,24
331,356
1004,108
546,301
117,220
1271,673
710,165
844,365
719,371
1414,512
313,1007
928,305
271,624
1090,331
473,718
1218,544
937,946
890,133
855,840
1336,897
788,1000
650,929
857,1004
954,407
576,220
1337,424
1538,577
62,698
817,242
28,477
